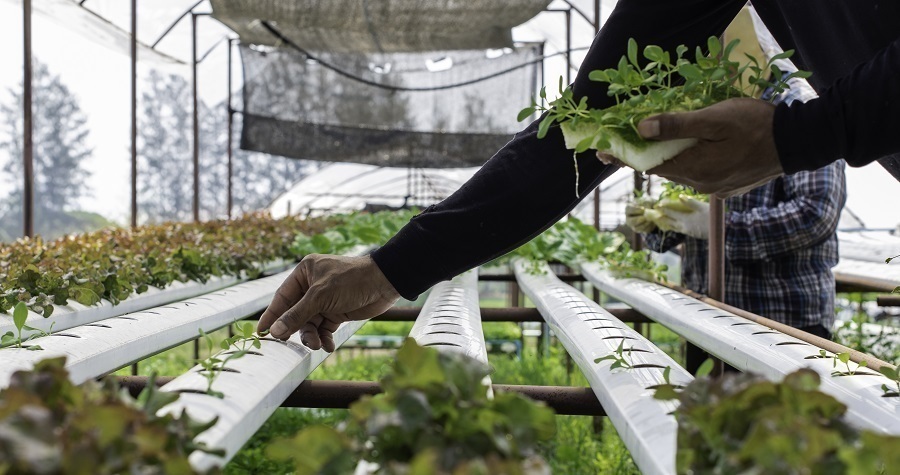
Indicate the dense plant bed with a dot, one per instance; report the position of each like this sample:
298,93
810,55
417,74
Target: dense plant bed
114,264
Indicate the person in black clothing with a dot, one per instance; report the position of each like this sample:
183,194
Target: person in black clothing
851,47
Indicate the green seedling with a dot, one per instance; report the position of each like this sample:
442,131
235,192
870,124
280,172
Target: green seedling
244,341
20,314
666,391
652,84
619,358
894,375
844,358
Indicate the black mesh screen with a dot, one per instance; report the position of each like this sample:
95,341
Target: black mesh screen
296,107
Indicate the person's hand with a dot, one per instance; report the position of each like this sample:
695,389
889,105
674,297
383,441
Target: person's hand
324,291
635,219
736,149
684,215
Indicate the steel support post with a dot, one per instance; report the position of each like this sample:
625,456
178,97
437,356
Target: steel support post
134,201
717,258
230,131
28,126
195,119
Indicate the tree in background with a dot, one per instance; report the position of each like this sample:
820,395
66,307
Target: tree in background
164,149
60,149
165,174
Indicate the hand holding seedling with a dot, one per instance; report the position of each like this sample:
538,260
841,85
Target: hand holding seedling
735,151
684,215
323,292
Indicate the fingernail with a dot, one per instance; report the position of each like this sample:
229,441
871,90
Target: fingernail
649,128
278,328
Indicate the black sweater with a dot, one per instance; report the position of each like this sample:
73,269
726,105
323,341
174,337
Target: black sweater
851,46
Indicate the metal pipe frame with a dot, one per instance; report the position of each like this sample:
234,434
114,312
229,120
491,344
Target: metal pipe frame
512,314
512,278
28,126
565,400
230,202
195,119
716,260
134,201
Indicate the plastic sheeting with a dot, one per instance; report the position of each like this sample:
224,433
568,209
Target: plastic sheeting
358,107
344,187
379,26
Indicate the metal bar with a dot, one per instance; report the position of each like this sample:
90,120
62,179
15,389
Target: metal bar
134,201
513,314
174,23
581,13
212,48
888,300
716,260
230,132
512,278
565,400
195,119
28,127
569,45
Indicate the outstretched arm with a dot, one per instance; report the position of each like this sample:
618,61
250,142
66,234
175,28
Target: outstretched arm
524,188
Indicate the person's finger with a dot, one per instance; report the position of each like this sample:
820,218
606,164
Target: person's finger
699,124
326,331
288,294
297,316
309,333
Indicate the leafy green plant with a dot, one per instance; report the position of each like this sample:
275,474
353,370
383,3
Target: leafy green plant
894,375
244,341
844,358
435,416
114,264
742,423
627,262
351,230
619,358
653,84
50,426
20,315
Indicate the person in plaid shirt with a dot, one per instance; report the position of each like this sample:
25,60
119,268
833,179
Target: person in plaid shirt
780,245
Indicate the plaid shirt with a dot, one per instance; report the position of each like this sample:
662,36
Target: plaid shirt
780,246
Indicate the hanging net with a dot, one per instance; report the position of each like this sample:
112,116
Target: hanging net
344,107
381,26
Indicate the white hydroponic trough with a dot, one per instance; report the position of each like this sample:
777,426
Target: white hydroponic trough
450,320
587,331
75,314
254,387
752,347
98,348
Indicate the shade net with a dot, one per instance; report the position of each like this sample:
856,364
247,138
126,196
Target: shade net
382,26
297,107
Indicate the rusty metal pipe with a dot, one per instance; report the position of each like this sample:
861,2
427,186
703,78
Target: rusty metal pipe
565,400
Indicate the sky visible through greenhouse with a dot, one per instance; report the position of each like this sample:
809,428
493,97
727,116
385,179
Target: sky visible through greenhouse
99,79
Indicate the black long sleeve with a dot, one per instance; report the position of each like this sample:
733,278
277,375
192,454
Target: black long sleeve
850,46
530,183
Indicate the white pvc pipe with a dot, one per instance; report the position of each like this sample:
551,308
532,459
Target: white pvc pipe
588,332
98,348
450,320
74,314
262,382
752,347
879,273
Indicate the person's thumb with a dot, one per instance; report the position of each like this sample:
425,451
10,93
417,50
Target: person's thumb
679,125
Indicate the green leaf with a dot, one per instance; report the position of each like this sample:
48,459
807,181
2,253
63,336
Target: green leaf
714,46
705,368
544,126
525,113
20,314
632,52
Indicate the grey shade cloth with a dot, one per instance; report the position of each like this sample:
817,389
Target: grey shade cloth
296,107
370,26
